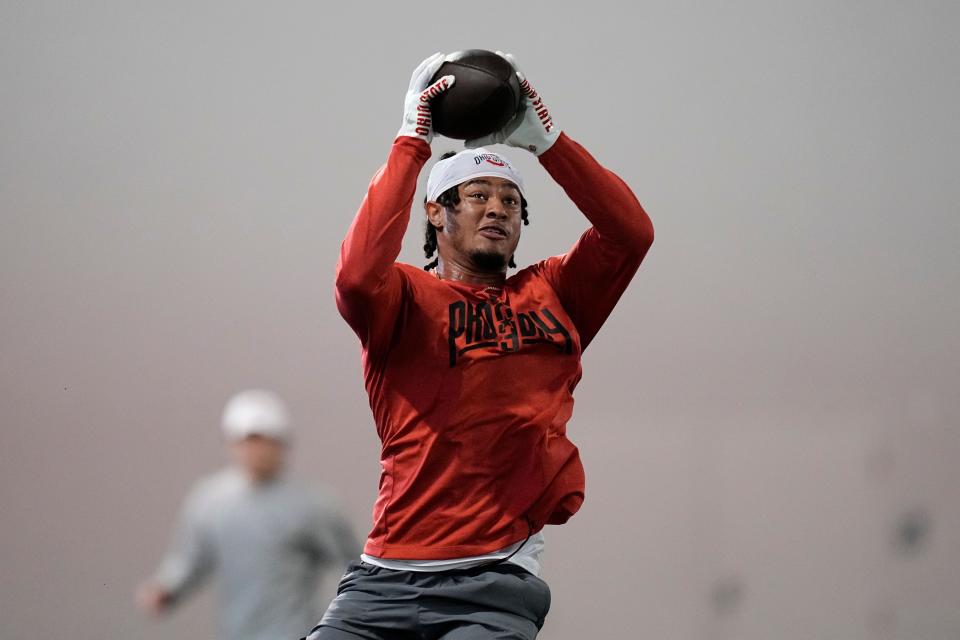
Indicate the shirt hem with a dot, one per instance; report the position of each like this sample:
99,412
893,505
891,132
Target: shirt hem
420,552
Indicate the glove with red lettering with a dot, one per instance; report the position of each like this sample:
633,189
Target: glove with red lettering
417,122
532,129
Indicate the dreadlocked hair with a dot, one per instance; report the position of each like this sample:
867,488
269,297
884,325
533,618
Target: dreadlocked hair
448,200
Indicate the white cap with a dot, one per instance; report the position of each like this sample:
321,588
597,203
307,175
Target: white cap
467,165
256,412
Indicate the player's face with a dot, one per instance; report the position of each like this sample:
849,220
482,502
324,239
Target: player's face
484,229
260,457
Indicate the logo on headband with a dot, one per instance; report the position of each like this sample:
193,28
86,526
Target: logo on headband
491,158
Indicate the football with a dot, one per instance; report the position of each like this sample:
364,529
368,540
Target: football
485,96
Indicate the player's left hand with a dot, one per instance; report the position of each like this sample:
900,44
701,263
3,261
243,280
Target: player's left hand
417,121
532,129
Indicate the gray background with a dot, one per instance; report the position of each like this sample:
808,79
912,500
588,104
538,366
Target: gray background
777,389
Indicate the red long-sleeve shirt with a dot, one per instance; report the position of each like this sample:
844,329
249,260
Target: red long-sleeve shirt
471,387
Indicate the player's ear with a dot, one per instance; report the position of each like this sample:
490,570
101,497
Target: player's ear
434,211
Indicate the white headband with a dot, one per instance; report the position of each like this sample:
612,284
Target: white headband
467,165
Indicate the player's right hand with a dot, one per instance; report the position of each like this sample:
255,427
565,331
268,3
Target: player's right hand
417,121
153,599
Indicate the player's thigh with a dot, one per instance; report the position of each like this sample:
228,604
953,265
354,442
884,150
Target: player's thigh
326,632
371,603
517,629
329,633
504,603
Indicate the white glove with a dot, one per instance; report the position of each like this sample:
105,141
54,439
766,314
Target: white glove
532,128
417,122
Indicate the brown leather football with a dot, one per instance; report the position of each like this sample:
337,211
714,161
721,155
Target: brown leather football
485,96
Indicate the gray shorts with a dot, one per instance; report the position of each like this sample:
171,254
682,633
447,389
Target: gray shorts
501,601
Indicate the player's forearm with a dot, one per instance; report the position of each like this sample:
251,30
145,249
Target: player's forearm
606,201
373,242
190,558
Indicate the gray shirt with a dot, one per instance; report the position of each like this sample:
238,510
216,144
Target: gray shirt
267,544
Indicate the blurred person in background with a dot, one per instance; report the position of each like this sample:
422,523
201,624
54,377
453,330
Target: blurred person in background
267,538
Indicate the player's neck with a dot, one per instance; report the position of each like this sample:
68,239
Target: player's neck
450,269
261,479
